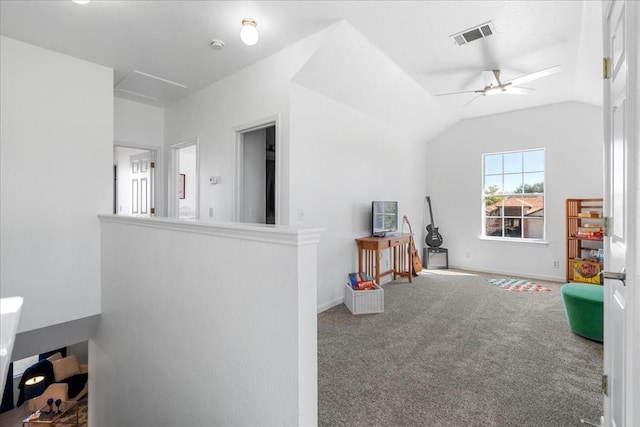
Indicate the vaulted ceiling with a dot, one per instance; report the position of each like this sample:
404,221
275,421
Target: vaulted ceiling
160,50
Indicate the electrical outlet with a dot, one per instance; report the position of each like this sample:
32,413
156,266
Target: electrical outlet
556,263
468,254
210,212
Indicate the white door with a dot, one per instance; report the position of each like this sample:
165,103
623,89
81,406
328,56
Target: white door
135,191
140,172
620,202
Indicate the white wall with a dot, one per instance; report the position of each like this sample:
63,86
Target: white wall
140,125
257,94
571,134
335,160
80,350
358,134
187,332
351,70
56,150
137,123
341,161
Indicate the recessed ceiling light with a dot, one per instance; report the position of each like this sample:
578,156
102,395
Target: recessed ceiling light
249,33
81,1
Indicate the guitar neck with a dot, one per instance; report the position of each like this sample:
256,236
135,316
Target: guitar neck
405,219
430,213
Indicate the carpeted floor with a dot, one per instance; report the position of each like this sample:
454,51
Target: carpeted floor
453,350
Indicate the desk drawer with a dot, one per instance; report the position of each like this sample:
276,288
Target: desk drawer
395,242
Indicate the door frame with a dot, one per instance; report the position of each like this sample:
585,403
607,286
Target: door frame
238,151
173,175
157,193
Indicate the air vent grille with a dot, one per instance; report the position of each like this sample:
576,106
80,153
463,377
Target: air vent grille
459,39
478,32
486,30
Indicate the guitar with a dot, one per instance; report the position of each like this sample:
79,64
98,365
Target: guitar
433,239
416,266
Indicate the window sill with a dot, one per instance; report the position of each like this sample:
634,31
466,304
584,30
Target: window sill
517,241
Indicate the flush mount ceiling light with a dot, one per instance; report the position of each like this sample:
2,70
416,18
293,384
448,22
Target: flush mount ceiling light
81,1
249,33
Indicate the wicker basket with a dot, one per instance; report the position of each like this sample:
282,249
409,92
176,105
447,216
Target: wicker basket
364,302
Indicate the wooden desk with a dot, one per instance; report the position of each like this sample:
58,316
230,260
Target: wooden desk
369,255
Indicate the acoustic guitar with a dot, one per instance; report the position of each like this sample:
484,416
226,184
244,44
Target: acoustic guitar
433,239
416,264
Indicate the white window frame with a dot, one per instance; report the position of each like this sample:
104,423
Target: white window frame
19,366
506,194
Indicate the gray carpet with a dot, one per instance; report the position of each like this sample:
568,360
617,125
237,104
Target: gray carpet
452,349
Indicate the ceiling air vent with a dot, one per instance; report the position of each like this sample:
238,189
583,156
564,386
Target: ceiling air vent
475,33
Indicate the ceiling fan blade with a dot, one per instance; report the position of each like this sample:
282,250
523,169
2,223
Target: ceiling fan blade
472,99
533,76
510,90
457,93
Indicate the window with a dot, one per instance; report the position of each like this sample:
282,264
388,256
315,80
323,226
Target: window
513,195
19,366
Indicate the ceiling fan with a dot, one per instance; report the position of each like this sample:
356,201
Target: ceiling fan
495,86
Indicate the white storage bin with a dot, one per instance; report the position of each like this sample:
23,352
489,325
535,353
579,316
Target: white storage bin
364,302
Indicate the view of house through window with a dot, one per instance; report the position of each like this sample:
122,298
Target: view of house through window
513,194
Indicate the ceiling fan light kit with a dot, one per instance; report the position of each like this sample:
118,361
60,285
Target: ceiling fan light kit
492,90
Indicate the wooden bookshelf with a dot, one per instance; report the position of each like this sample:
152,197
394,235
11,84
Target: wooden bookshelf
585,231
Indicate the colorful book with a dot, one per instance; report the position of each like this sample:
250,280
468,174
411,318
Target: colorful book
360,281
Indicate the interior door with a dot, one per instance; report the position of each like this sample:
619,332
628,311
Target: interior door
139,164
140,171
619,209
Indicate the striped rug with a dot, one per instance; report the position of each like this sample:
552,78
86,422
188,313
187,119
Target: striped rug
518,285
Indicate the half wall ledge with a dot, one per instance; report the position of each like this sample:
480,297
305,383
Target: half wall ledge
279,234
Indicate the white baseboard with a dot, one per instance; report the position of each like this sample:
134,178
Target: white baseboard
330,304
524,275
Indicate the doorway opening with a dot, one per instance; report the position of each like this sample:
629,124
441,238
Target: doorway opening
184,185
257,191
134,181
